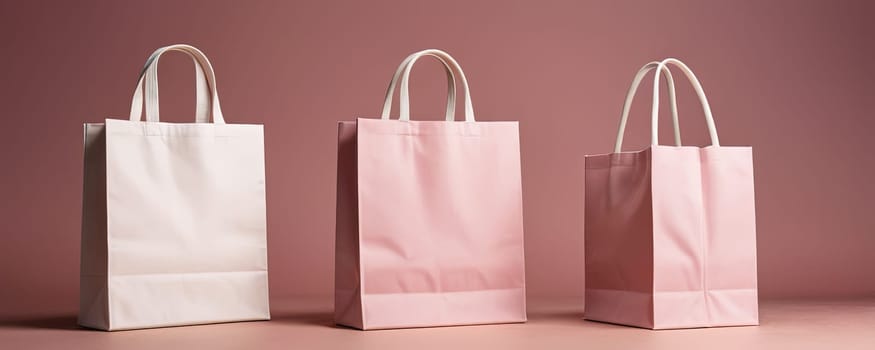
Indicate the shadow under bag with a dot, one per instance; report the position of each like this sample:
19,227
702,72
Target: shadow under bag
670,230
173,215
429,217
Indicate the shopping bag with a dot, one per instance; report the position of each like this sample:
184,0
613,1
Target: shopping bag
429,217
670,233
173,215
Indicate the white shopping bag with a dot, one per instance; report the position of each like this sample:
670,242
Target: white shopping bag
173,216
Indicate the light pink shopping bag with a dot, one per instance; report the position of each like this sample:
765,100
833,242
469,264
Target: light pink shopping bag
429,218
670,230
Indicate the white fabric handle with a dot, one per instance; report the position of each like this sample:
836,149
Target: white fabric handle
709,118
451,88
630,96
206,93
404,95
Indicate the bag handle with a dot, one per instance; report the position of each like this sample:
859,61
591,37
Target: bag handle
206,93
404,94
451,88
709,118
630,96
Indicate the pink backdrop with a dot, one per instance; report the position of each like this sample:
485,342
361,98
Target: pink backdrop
794,79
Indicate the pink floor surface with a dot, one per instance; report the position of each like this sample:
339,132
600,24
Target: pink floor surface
303,323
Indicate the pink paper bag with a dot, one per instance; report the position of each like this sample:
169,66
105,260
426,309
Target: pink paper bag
429,217
670,236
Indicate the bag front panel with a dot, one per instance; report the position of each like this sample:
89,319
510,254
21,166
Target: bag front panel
704,240
186,223
440,217
731,264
